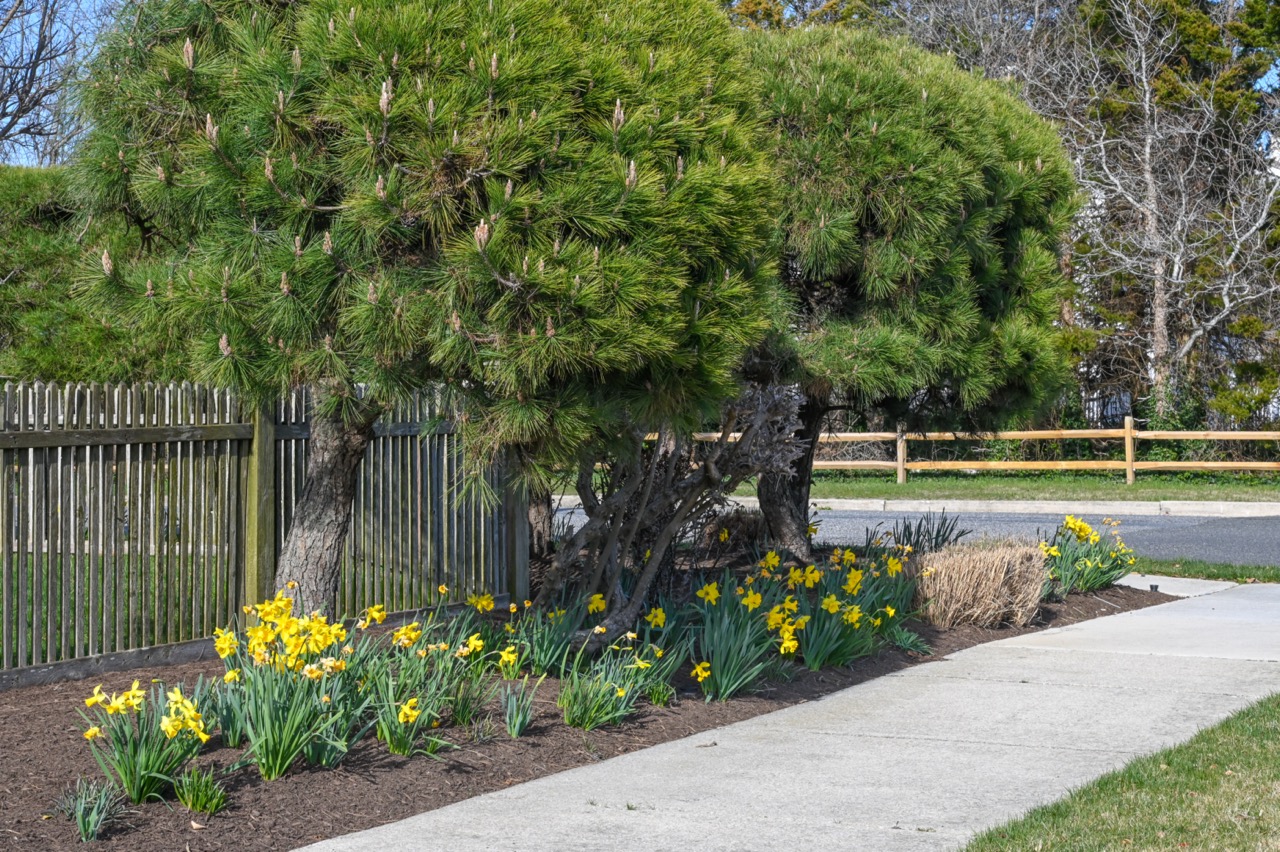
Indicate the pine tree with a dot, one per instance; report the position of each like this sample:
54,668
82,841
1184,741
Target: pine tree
555,208
45,334
923,212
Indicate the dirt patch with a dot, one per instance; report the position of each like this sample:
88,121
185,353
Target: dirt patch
41,751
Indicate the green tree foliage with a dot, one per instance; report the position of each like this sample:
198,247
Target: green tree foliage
45,334
554,207
923,212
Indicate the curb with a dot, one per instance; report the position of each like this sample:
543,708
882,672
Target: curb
1179,508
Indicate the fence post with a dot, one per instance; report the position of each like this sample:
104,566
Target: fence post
260,510
902,457
1129,454
515,523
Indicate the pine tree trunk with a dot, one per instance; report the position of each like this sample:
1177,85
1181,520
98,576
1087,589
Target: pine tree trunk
541,517
312,554
784,498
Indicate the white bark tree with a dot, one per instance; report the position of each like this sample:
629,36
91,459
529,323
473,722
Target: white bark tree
1175,241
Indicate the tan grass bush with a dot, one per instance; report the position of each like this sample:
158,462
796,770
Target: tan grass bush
985,583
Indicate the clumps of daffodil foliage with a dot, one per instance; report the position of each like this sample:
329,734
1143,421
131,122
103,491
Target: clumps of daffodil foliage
141,740
1080,558
301,689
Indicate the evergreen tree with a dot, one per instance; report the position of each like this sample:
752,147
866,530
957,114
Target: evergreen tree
923,211
45,334
555,208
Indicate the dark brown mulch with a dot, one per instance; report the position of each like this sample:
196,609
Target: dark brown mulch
42,751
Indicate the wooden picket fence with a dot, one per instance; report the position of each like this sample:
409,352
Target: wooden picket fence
141,515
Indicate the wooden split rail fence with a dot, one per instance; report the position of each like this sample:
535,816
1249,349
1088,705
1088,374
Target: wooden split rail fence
902,463
142,515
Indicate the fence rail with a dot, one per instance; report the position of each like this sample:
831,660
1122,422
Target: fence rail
902,462
140,515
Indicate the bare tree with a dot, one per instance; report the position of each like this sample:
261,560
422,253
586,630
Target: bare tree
41,45
1180,188
1174,242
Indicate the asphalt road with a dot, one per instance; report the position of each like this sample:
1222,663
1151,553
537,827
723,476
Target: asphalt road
1237,541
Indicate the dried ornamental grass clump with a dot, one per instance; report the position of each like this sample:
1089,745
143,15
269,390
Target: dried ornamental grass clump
986,584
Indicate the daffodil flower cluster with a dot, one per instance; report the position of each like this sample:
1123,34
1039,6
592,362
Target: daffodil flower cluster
183,716
1080,559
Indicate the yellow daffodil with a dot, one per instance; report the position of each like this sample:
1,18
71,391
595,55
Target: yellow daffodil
509,627
710,593
802,622
231,676
513,609
724,535
890,611
171,726
405,636
794,577
475,643
812,576
596,603
442,589
93,733
656,618
831,604
752,600
599,628
225,642
409,712
482,603
812,529
508,656
98,697
622,693
895,566
853,583
788,646
849,557
701,671
528,604
771,560
790,604
640,664
852,615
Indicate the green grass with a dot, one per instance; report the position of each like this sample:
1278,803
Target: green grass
1207,570
1215,792
1042,486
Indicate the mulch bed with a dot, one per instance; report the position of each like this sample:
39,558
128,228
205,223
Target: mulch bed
42,751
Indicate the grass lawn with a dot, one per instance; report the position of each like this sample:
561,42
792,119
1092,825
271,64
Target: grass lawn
1216,792
1043,486
1207,570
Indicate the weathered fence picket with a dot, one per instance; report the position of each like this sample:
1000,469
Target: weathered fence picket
141,515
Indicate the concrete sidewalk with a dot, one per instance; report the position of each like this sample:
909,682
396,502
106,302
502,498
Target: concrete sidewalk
918,760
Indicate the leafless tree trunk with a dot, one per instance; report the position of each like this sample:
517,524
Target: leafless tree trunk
643,501
1173,241
41,45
